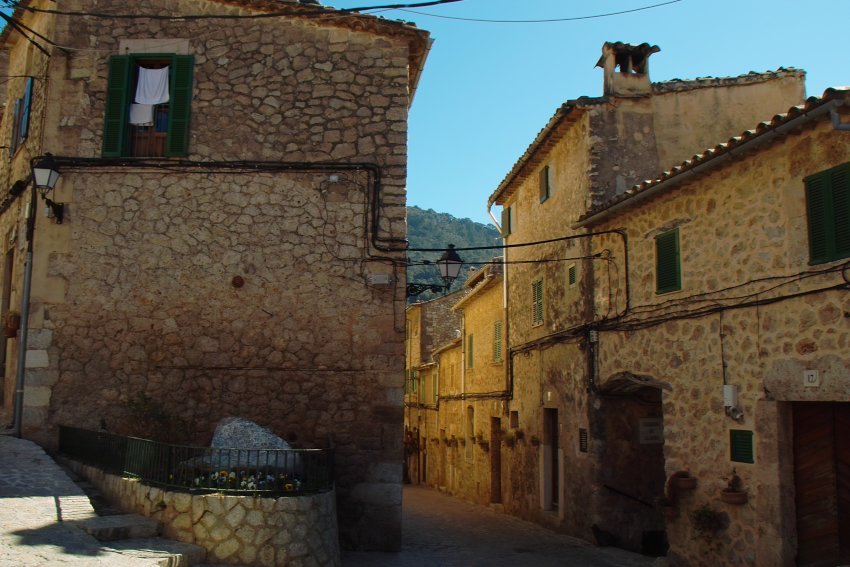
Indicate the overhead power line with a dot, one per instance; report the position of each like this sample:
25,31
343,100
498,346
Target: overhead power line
541,21
305,12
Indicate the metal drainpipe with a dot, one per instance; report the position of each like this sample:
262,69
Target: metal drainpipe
25,316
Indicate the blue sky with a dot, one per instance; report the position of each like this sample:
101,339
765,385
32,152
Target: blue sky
489,88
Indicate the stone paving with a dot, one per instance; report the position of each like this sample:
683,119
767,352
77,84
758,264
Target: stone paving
441,531
39,505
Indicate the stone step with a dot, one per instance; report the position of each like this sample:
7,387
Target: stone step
169,553
124,526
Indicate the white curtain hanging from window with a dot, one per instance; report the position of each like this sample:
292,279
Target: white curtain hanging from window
152,87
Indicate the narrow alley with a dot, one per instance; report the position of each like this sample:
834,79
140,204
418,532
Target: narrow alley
441,531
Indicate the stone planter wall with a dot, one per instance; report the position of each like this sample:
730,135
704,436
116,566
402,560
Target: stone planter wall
235,530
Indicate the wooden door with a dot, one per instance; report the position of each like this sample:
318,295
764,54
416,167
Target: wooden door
822,482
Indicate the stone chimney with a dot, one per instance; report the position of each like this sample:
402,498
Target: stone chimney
626,68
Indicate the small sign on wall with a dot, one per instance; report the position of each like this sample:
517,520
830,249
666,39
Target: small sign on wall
811,378
651,431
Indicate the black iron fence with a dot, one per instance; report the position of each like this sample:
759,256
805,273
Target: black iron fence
267,472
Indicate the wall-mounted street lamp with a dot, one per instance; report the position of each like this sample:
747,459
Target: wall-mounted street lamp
449,266
45,174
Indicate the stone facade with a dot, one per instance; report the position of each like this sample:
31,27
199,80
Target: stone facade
744,251
464,443
246,278
234,530
619,389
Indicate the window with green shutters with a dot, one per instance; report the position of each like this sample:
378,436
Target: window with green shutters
741,446
828,214
497,341
668,270
572,275
469,351
545,187
537,302
169,133
21,118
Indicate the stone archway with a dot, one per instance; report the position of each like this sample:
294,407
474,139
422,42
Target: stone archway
628,433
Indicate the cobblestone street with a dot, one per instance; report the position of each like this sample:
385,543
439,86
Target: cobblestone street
441,531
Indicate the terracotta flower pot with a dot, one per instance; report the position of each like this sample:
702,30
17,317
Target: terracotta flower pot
733,497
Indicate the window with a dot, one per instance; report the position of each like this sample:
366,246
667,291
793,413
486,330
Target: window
572,275
545,187
507,224
668,275
469,345
741,446
497,341
21,118
828,213
164,131
537,302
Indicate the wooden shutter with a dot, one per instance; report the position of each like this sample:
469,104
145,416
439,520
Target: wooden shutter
497,341
537,302
469,358
544,183
572,275
25,112
817,211
840,185
741,446
180,105
506,221
115,119
667,270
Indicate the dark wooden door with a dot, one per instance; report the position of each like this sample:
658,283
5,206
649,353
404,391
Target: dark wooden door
822,482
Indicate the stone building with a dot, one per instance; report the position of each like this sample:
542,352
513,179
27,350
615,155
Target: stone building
233,232
458,419
592,150
429,325
735,299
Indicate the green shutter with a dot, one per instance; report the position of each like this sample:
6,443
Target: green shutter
25,113
544,183
741,446
572,275
469,358
840,182
817,199
497,341
667,267
828,214
180,106
506,221
115,119
537,302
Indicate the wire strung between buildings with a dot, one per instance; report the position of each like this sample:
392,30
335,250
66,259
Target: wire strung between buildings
541,21
301,12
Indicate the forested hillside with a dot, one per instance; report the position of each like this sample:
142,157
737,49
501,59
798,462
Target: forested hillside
430,229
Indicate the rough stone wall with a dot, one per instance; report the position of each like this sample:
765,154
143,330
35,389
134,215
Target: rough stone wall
635,139
743,233
234,530
137,318
690,116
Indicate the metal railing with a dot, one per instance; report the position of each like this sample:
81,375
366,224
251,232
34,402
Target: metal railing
265,472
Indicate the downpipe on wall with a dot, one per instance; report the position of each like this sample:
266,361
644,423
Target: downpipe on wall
25,317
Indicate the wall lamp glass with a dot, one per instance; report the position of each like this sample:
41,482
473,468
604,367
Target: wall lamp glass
45,174
448,265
